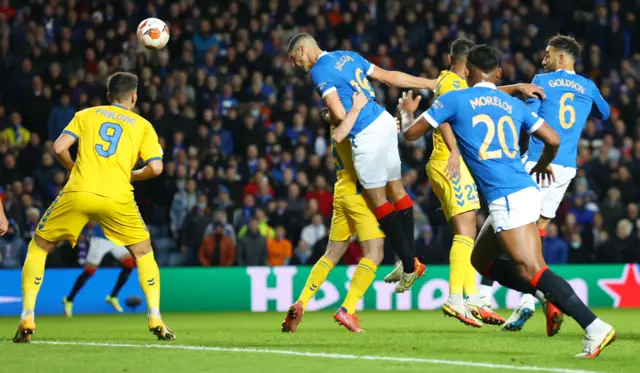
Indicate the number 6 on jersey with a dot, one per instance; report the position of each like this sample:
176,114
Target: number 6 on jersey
110,133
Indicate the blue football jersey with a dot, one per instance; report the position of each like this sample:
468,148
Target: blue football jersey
570,100
346,72
97,232
487,126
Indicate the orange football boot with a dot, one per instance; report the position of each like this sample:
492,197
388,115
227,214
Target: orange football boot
25,329
348,321
294,317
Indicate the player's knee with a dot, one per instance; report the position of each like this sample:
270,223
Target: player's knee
374,250
527,270
90,270
128,262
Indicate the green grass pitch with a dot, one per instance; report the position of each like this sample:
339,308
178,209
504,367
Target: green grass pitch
415,341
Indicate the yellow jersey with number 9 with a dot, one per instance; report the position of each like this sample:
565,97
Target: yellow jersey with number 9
111,140
347,179
447,81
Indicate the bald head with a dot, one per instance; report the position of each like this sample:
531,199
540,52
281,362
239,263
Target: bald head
301,39
303,51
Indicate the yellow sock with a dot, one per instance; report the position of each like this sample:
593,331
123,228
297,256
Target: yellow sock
459,261
32,276
469,283
318,274
362,279
149,277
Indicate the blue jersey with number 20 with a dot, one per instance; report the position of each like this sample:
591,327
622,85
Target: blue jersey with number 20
570,100
346,72
487,126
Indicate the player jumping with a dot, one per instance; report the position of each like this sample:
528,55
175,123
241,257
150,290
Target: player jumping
514,198
99,246
569,100
351,215
373,137
113,139
459,199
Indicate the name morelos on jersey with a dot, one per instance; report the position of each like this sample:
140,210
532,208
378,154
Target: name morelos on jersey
346,72
487,125
570,99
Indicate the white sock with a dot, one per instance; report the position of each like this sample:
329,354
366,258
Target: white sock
596,326
154,312
475,299
527,298
455,299
27,313
486,291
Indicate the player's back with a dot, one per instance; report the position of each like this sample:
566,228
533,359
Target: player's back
487,125
447,81
111,139
346,72
570,99
346,177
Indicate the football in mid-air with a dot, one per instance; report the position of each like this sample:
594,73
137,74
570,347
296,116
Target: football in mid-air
153,33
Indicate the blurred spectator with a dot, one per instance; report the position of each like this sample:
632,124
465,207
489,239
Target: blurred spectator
193,229
60,117
12,247
252,247
279,249
313,232
15,136
556,250
217,249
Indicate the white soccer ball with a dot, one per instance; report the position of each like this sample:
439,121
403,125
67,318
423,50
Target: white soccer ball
153,33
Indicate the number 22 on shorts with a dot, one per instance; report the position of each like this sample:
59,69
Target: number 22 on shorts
110,133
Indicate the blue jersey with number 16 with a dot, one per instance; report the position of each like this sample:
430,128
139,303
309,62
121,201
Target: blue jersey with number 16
487,126
346,72
570,100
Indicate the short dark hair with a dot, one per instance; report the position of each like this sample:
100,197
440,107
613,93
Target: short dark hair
484,57
566,44
460,49
121,84
297,39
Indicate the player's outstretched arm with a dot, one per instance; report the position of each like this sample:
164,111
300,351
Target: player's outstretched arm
152,169
341,131
603,109
61,149
529,90
402,80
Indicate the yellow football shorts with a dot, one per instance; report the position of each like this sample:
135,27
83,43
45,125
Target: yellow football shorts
457,195
351,216
71,211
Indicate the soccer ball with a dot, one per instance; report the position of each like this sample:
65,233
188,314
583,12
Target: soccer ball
153,33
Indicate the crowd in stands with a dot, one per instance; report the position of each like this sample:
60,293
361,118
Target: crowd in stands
248,165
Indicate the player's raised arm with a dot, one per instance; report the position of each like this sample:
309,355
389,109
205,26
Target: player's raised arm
400,79
603,109
64,142
341,131
151,154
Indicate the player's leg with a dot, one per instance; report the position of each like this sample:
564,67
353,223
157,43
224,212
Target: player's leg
339,233
128,264
376,160
123,226
372,241
97,251
61,221
523,246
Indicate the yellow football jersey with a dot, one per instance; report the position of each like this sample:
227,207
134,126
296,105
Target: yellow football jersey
111,139
347,179
447,81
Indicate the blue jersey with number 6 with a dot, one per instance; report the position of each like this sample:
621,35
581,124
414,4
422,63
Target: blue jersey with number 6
570,99
487,126
111,140
346,72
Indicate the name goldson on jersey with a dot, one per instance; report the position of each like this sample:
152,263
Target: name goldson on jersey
490,101
566,83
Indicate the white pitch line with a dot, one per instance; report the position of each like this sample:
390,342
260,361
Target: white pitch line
319,355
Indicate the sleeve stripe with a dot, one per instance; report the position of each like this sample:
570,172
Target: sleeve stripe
153,159
536,126
332,89
430,119
70,133
370,69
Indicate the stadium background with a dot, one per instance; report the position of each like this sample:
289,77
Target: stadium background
246,152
